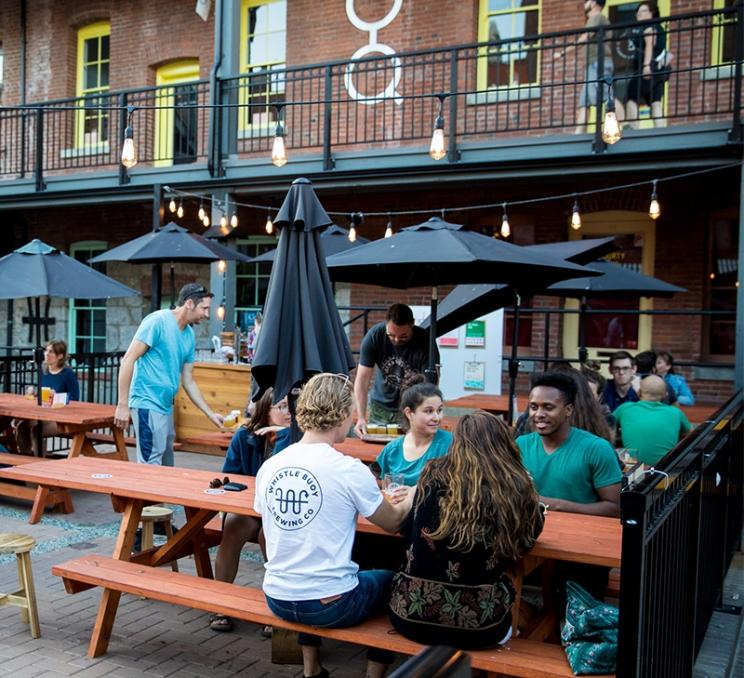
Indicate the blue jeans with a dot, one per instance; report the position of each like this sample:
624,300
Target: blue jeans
369,597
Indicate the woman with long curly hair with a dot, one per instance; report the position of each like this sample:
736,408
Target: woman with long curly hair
475,512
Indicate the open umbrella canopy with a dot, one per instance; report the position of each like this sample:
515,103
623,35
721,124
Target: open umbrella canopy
170,243
333,240
302,333
38,269
437,252
468,302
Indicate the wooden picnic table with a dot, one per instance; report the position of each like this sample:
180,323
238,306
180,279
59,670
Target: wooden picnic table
571,537
495,404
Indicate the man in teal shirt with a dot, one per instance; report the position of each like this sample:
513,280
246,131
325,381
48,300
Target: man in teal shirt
651,426
573,470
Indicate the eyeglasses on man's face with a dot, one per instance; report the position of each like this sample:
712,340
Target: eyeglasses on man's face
620,369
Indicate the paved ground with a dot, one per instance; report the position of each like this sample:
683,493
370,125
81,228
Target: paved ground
155,639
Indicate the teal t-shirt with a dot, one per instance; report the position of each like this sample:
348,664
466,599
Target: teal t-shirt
158,372
391,459
651,428
576,470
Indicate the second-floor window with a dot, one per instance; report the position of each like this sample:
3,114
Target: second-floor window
724,34
513,25
92,123
263,48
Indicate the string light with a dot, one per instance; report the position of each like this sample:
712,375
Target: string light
356,218
436,148
179,211
654,209
202,213
172,205
221,265
234,220
205,221
576,216
611,132
221,312
128,151
223,221
505,228
279,150
389,229
269,223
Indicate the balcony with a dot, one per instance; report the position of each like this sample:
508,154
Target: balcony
501,101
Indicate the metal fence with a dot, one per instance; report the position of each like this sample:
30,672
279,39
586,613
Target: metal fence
681,526
508,87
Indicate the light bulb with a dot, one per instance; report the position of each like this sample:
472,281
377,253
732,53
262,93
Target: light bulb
352,234
279,151
234,221
221,312
223,221
128,151
389,230
269,225
202,213
576,217
179,211
654,209
221,265
611,132
505,228
172,205
205,221
436,148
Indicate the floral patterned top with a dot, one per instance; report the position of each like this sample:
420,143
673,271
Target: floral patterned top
443,596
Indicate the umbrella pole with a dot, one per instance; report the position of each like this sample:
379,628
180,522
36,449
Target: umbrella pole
39,360
583,354
173,285
514,361
157,287
294,430
431,370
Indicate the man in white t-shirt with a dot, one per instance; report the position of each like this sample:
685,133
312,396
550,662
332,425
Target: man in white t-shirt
309,497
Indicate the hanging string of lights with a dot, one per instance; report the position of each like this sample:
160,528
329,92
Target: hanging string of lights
357,218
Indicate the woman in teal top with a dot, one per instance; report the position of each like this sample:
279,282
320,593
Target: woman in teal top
421,405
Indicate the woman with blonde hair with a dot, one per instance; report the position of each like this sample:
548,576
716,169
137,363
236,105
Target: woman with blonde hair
309,497
475,512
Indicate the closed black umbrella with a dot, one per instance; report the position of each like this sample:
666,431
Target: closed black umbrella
302,333
333,240
170,244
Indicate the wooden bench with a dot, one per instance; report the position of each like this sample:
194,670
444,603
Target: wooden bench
50,497
526,658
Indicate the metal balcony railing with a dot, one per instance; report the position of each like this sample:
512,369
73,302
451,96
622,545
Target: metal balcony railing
514,87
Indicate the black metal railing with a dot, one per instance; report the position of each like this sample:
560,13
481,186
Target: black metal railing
681,526
522,86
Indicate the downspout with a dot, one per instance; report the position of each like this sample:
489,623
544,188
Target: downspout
213,160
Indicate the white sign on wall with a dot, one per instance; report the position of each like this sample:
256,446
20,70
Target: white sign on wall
374,47
467,370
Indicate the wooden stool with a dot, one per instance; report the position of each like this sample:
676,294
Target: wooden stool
25,597
150,516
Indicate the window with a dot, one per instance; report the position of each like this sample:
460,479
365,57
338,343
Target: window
724,34
263,48
176,129
252,280
723,279
92,124
87,323
509,64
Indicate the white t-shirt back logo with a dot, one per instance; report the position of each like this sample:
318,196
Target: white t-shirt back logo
293,498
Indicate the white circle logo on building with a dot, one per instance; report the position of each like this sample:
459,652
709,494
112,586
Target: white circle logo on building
293,498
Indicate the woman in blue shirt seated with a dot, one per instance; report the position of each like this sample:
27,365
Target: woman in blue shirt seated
55,375
265,433
421,405
665,369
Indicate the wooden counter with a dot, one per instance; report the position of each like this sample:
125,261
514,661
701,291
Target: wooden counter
224,386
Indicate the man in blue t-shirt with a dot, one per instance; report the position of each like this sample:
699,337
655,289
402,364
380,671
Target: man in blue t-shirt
573,470
393,351
161,356
619,389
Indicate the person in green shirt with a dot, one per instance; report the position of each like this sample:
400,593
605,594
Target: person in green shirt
651,426
573,469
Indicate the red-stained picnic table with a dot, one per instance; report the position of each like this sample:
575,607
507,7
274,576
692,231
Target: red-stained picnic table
495,404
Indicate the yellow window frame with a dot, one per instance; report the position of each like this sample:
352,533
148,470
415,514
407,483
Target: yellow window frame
97,30
245,67
483,16
716,41
174,73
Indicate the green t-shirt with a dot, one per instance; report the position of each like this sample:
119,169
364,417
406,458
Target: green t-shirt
651,428
391,459
576,470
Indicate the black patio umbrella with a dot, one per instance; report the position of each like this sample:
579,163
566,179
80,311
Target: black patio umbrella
438,252
36,270
170,244
302,333
333,240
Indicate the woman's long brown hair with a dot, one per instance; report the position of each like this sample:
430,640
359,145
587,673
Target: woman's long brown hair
489,498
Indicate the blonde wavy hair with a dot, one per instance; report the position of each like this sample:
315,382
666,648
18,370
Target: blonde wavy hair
325,401
489,498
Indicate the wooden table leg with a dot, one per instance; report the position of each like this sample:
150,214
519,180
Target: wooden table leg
37,510
121,446
201,553
110,600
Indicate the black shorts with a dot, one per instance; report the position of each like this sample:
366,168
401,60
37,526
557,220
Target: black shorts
645,90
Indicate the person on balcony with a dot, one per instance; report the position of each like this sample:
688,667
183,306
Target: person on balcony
161,356
392,351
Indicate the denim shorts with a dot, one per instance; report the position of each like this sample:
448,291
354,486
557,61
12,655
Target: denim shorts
370,596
